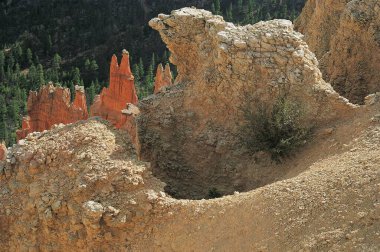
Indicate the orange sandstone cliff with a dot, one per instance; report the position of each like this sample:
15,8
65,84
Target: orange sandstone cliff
121,91
163,78
345,36
51,105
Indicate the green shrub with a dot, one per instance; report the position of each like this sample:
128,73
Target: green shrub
214,193
276,128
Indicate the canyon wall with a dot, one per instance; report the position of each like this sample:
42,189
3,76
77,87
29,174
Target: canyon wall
193,131
345,35
51,105
163,78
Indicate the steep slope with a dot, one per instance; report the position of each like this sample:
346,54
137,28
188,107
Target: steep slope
62,189
193,132
345,35
80,188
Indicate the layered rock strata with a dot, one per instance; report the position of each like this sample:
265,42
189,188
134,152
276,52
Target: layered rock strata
51,105
345,36
163,78
193,131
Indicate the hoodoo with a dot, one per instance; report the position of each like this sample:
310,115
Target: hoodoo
83,187
121,91
51,105
163,78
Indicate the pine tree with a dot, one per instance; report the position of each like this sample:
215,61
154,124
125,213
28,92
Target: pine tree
149,79
3,129
3,118
14,110
40,77
76,76
72,91
141,68
87,64
94,67
48,44
229,13
217,7
90,94
240,6
18,53
2,65
154,60
136,73
29,57
56,65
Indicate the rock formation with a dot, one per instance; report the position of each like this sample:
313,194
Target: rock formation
80,188
192,131
345,36
163,78
3,151
51,105
121,91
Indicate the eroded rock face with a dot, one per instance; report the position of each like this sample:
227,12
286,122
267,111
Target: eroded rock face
80,187
51,105
192,131
121,91
77,188
345,36
163,78
3,151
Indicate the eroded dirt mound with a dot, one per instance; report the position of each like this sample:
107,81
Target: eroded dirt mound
191,133
79,188
72,188
345,35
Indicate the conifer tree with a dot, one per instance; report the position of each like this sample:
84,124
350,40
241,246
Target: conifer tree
72,91
40,77
2,66
90,94
141,68
76,76
229,13
29,57
136,73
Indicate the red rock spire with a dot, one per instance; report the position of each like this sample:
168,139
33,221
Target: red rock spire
163,78
51,105
120,92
